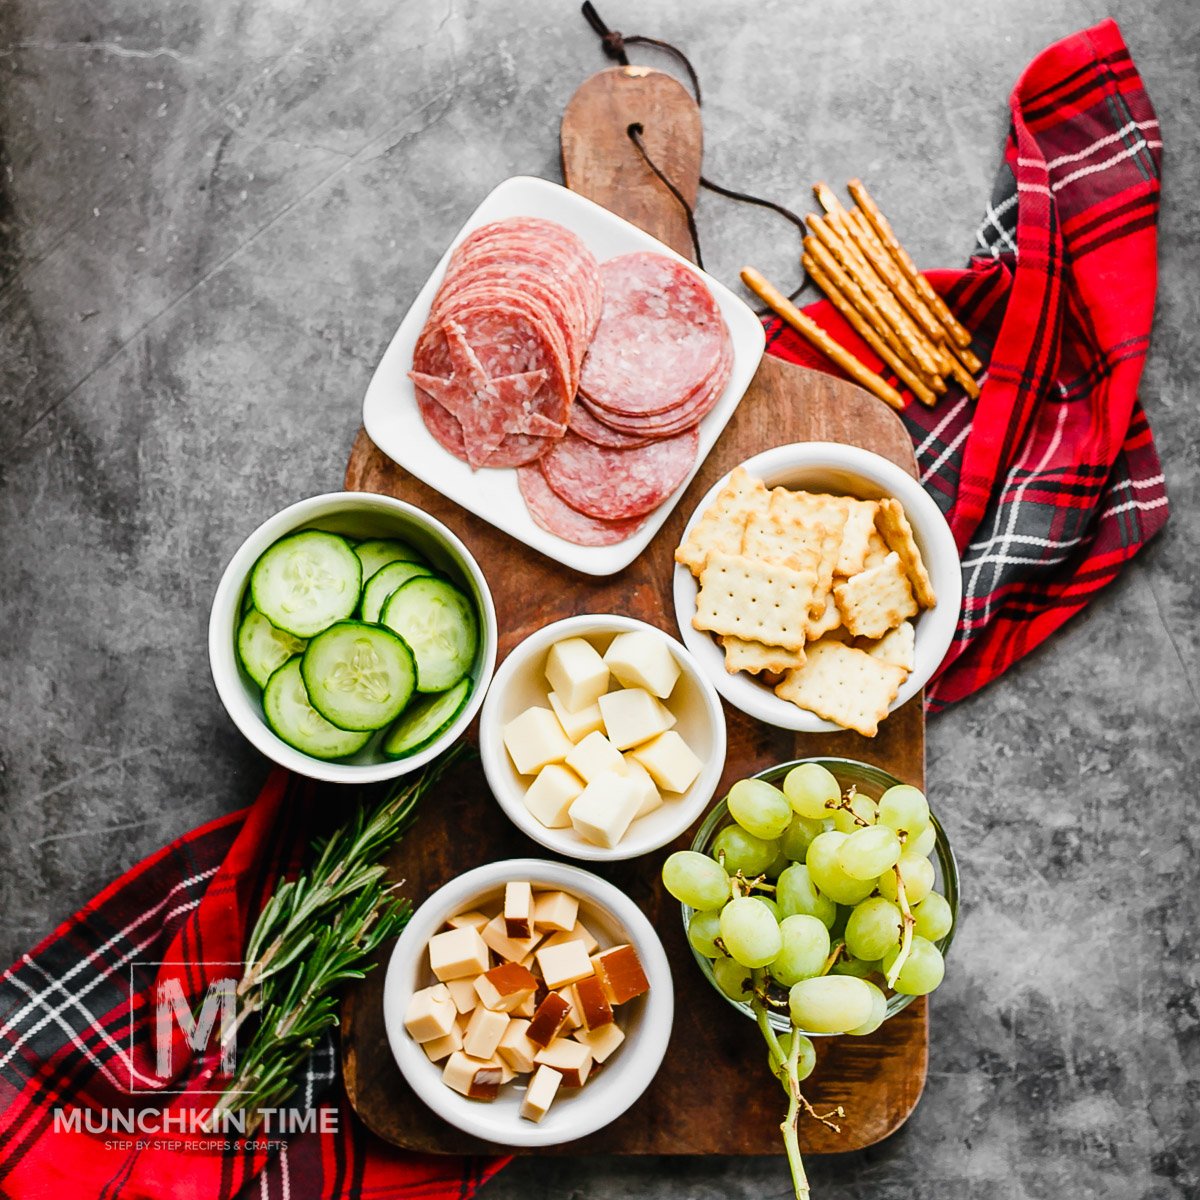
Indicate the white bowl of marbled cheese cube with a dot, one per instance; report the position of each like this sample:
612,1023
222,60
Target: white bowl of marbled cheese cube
528,1002
601,738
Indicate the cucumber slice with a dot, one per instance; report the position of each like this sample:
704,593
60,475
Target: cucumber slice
262,648
425,721
358,676
439,624
376,553
306,582
293,718
384,582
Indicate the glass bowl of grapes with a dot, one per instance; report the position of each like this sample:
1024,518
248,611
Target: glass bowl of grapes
819,896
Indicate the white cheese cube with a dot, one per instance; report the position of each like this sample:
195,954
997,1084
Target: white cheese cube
605,809
670,761
516,1049
564,964
431,1012
534,739
578,933
551,794
543,1087
457,953
444,1046
518,909
594,755
632,716
555,910
576,672
643,659
601,1042
484,1031
474,918
649,797
463,993
577,725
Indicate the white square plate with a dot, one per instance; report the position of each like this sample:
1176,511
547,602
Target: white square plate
394,423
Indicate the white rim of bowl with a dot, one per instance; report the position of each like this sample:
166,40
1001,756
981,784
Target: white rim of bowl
931,526
222,633
637,1071
491,748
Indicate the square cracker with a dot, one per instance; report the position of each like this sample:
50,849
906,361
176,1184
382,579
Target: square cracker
856,534
755,601
898,646
874,601
877,550
898,534
822,518
843,685
771,539
829,620
723,523
741,655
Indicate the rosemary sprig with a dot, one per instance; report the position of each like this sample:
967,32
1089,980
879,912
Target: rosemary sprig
315,934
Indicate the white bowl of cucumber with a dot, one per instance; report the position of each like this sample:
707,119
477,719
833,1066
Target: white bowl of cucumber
352,637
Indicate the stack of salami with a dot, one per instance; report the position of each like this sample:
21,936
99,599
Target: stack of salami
589,379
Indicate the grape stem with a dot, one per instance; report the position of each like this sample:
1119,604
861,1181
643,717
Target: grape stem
907,921
786,1068
846,802
834,955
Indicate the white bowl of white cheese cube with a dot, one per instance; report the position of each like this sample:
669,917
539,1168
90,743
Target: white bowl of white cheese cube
601,738
608,918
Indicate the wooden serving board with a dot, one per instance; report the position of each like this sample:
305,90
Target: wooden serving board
713,1094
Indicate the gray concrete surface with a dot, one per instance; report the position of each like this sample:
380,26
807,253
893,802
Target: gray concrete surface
212,215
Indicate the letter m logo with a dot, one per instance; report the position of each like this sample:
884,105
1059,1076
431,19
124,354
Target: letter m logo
217,1013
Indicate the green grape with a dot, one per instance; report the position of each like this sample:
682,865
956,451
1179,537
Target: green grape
904,807
778,865
806,1060
772,906
867,853
703,930
804,951
696,880
830,1003
922,845
759,808
796,893
857,967
923,969
811,790
933,917
873,928
798,836
917,874
732,978
743,851
825,872
878,1013
750,932
861,807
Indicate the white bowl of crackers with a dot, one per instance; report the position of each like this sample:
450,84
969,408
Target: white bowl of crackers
602,738
818,586
480,1033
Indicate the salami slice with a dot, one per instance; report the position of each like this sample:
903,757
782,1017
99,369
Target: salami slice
659,339
614,484
446,430
588,425
555,516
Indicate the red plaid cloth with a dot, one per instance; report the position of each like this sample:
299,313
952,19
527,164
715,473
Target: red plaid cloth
1050,481
77,1019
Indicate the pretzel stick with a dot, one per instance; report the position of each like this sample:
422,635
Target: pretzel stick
883,262
959,335
960,372
833,289
812,332
864,275
827,198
